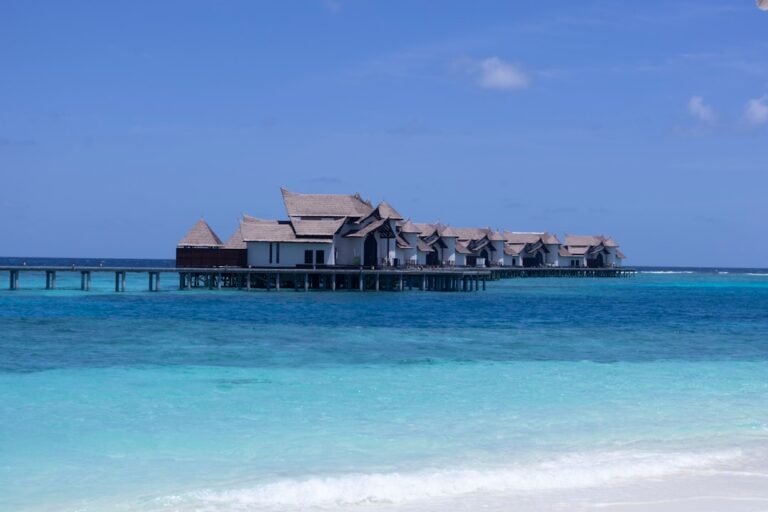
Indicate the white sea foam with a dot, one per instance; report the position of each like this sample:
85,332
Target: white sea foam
570,472
667,272
757,274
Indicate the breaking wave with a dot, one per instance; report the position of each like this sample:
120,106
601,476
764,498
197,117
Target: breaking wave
569,472
667,272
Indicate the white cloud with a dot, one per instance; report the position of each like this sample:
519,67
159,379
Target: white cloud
700,110
756,111
497,74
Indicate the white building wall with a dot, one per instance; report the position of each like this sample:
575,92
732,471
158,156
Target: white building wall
448,254
409,255
349,250
611,259
553,257
512,261
461,260
421,258
498,254
291,253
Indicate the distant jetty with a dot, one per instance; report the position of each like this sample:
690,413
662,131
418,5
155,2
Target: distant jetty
306,279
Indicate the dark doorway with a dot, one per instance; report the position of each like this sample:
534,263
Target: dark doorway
370,249
307,257
484,255
433,259
319,257
596,262
534,261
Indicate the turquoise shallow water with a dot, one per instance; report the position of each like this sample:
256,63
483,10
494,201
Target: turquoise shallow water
283,401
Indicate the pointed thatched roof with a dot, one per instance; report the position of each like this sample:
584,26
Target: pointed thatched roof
201,235
236,240
409,227
387,212
495,236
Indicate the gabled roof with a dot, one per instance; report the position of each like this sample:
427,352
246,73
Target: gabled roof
317,227
373,226
201,235
423,246
402,243
581,240
446,231
589,241
549,238
513,249
578,250
386,211
495,236
236,240
531,237
522,238
461,248
620,254
424,228
260,230
471,233
325,205
409,227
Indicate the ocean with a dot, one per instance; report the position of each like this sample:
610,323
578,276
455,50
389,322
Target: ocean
643,393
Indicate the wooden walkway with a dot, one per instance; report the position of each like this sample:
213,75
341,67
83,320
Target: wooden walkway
306,279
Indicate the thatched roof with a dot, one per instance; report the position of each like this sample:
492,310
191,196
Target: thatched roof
387,212
373,226
446,231
260,230
589,241
470,233
201,235
424,229
409,227
581,240
325,205
461,248
402,243
423,246
317,227
496,236
236,240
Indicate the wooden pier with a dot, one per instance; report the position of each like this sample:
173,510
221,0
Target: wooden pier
306,279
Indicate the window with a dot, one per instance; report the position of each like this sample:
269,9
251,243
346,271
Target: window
270,253
307,257
277,255
320,257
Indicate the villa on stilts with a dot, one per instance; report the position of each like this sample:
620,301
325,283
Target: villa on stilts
327,231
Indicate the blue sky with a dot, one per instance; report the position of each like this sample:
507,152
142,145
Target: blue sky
121,123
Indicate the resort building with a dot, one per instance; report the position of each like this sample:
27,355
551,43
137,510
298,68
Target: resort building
531,249
479,247
201,247
340,230
590,251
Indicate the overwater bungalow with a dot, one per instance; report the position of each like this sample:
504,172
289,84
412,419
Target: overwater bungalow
347,231
531,249
590,251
